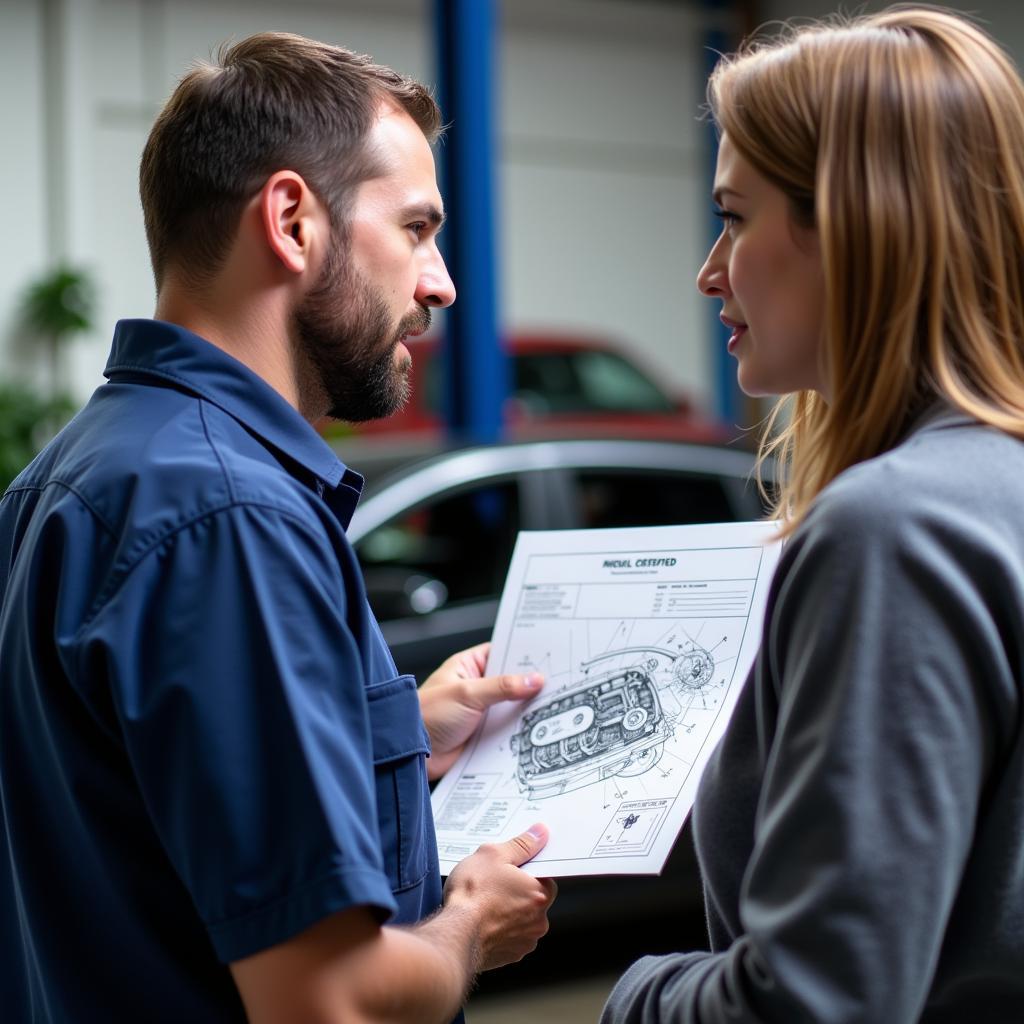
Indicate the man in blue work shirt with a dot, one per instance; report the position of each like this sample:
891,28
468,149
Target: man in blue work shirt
213,779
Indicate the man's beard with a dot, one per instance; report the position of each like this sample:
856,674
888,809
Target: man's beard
346,337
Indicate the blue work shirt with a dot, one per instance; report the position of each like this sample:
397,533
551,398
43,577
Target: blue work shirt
205,746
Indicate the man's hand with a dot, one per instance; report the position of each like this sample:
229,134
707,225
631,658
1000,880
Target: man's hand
347,967
454,698
511,905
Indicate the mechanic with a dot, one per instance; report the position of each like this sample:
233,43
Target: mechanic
214,781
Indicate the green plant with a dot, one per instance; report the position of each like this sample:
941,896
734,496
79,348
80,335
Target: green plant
56,306
27,419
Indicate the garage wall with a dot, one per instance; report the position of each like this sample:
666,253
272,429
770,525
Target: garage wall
604,165
601,172
603,215
22,170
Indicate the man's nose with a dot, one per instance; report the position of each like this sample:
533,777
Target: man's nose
435,287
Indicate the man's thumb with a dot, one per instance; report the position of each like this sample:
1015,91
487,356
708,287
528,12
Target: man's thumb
526,845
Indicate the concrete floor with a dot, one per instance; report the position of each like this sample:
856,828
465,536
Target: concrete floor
574,1002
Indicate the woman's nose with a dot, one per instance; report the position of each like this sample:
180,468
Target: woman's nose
713,277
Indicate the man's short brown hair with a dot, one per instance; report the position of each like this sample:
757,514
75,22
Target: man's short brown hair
271,102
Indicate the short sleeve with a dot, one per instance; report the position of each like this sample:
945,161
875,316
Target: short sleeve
241,699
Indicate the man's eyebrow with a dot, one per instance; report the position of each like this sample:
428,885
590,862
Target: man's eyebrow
426,211
722,190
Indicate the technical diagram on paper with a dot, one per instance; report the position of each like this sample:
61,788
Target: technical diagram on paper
645,638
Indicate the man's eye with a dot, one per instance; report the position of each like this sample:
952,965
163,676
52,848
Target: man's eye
418,227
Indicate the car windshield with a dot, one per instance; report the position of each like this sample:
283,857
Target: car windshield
583,381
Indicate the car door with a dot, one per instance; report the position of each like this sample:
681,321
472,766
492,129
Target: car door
434,572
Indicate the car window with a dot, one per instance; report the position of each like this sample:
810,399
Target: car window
462,539
584,381
609,382
650,498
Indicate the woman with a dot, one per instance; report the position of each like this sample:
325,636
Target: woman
861,826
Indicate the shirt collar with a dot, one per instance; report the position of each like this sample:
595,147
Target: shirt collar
154,348
937,415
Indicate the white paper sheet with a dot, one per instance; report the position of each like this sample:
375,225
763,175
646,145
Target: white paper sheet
645,637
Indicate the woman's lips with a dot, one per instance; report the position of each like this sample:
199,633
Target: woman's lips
738,330
734,339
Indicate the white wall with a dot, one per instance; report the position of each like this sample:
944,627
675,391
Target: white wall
22,169
605,209
603,217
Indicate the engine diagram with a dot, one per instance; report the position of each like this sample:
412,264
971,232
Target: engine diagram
643,637
615,721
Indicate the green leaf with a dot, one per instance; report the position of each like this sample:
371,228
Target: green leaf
60,303
27,420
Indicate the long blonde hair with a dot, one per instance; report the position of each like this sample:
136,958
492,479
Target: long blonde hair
900,136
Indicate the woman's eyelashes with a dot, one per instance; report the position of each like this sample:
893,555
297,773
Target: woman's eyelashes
727,217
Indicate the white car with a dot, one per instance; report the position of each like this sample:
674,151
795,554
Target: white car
435,537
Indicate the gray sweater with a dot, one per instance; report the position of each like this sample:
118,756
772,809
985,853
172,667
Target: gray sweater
860,828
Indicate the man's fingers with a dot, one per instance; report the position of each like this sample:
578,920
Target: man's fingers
522,847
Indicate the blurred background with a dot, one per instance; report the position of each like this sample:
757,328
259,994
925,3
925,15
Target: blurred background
601,167
598,169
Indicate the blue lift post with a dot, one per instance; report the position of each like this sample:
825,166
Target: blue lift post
475,367
729,400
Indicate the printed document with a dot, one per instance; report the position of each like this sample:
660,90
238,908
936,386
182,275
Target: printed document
645,637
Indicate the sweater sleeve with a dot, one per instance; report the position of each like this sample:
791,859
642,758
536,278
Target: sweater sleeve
875,681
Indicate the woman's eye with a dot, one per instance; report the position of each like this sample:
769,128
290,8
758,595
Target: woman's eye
727,217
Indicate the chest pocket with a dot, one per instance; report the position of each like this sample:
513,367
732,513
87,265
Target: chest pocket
403,799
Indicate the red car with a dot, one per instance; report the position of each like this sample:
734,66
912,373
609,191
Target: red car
561,386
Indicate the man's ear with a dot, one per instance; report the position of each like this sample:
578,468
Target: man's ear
288,214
